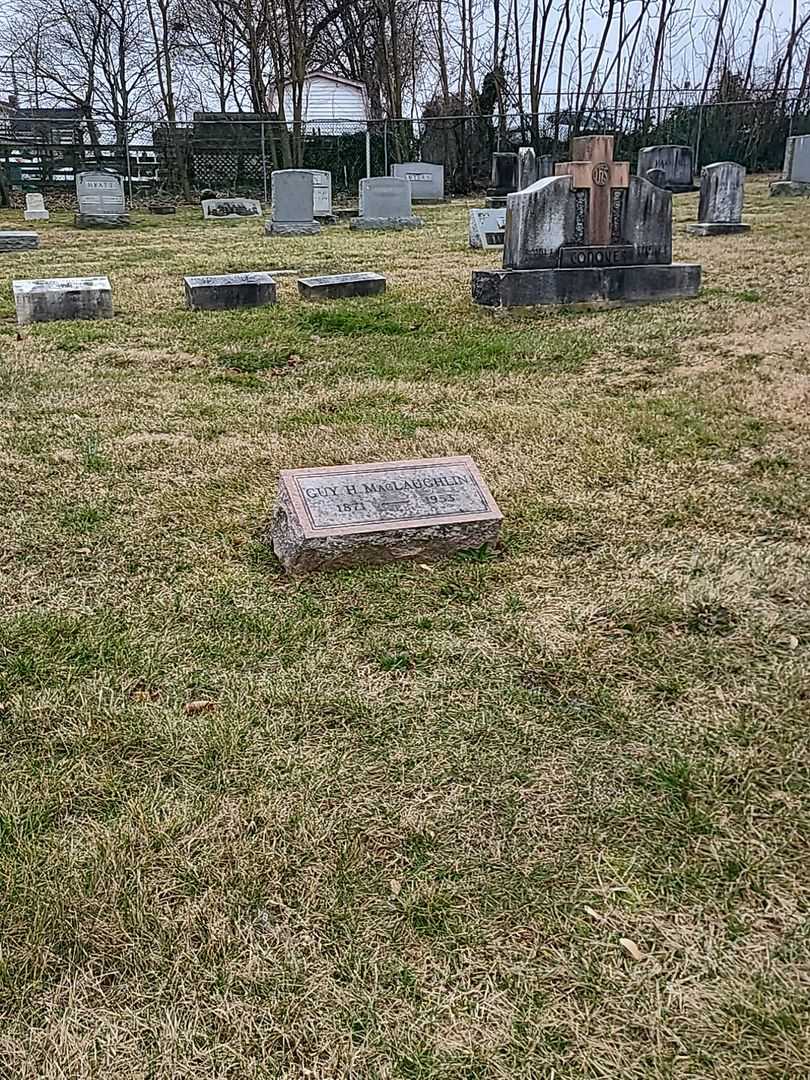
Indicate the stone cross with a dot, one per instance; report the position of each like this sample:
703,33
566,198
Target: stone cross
595,171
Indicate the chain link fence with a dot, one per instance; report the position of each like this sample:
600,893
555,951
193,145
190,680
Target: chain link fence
232,154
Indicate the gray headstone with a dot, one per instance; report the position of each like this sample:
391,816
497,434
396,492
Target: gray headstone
676,163
797,160
293,204
722,188
12,240
657,177
545,166
527,167
231,209
35,207
385,203
487,228
367,514
425,178
340,286
47,300
504,174
101,200
217,292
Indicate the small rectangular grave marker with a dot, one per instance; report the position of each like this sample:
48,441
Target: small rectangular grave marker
231,209
49,299
11,240
340,286
217,292
487,228
35,207
349,515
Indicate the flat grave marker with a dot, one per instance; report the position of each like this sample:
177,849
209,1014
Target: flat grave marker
15,240
340,286
218,292
349,515
52,299
231,209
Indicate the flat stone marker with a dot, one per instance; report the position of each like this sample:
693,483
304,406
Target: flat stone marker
591,234
676,163
293,194
351,515
101,201
12,240
35,207
722,187
487,228
796,169
51,299
340,286
230,209
218,292
385,203
425,178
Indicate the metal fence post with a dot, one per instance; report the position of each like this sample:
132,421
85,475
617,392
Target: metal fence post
385,144
129,167
368,151
264,166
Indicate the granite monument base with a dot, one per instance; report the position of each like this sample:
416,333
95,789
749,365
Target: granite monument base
340,286
12,240
586,285
101,221
716,228
326,219
397,223
495,202
162,208
222,292
789,187
291,228
36,215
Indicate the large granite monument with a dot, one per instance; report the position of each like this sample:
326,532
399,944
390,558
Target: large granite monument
425,178
349,515
591,233
101,201
385,203
722,187
293,195
676,165
796,169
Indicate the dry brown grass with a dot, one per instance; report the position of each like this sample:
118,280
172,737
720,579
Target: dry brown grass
542,815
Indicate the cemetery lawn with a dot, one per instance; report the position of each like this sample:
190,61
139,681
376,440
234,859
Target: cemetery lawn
542,813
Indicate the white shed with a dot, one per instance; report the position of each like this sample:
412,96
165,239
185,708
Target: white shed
328,100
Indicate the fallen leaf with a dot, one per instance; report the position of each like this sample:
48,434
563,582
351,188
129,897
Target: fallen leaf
203,705
630,946
593,913
396,888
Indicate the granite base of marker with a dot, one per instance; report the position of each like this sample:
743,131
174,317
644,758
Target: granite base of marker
495,202
716,228
586,285
54,299
227,291
344,213
788,187
300,554
340,286
101,221
326,219
36,215
162,208
12,240
292,228
386,223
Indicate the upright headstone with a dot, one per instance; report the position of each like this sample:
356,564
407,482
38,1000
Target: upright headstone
385,203
232,208
101,201
218,292
350,515
527,167
545,166
504,178
322,196
592,233
657,177
487,228
50,299
722,186
293,214
676,163
14,240
35,207
426,179
796,170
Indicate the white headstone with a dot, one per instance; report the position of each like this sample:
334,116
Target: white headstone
35,207
487,227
